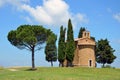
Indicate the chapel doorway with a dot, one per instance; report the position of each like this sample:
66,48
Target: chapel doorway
90,63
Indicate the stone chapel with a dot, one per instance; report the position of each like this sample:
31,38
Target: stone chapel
84,55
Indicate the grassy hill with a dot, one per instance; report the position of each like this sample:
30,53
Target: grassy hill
60,74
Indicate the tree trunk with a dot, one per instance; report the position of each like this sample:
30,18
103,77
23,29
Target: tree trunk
69,64
103,65
61,64
51,64
33,64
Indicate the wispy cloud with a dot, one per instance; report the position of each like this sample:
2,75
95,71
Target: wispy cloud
117,17
28,19
116,41
2,2
13,2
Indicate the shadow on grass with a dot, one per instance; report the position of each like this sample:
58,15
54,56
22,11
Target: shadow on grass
31,69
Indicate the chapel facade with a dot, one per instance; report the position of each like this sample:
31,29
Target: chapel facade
84,55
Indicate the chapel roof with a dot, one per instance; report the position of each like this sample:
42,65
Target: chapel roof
86,39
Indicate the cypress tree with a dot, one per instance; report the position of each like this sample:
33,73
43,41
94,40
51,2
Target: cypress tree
61,46
70,44
51,49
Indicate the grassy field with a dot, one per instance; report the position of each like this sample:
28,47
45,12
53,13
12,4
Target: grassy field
59,74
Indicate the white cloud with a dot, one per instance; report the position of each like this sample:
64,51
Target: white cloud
38,13
51,12
117,17
54,12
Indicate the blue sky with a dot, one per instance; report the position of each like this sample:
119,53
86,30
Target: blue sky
100,17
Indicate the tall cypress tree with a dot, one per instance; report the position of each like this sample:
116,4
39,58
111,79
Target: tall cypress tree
61,46
51,49
70,44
